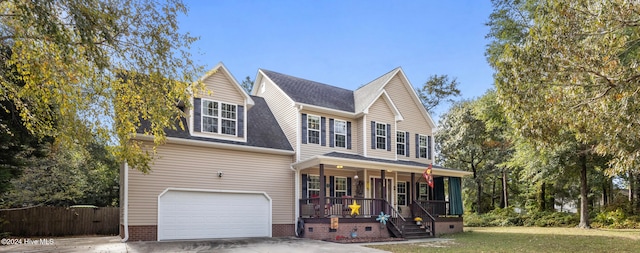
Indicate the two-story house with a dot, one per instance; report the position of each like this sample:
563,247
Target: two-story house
296,157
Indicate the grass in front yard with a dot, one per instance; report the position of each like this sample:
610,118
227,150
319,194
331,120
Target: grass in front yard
528,239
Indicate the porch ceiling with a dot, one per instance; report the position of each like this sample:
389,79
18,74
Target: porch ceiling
358,161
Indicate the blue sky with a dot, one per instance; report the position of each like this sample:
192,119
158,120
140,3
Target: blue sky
345,43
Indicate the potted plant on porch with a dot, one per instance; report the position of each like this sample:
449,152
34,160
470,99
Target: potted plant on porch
418,220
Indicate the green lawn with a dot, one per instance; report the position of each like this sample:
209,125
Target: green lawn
528,239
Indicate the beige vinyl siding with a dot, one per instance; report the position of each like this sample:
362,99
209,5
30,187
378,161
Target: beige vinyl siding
196,167
282,109
413,122
381,112
309,150
223,90
358,137
331,170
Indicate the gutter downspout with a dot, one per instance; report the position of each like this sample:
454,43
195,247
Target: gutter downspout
125,202
296,197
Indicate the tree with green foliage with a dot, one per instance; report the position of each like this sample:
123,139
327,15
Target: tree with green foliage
79,174
566,72
247,84
460,141
438,89
68,58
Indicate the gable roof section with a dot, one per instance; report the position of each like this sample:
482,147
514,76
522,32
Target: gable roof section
313,93
263,130
367,94
221,67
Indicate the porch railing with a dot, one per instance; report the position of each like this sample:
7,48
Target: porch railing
396,222
435,207
419,211
331,206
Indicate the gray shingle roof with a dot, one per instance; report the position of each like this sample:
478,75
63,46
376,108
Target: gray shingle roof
391,162
313,93
262,129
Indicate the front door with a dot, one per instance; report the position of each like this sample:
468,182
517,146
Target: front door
377,193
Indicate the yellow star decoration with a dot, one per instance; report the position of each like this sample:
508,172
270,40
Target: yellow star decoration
355,208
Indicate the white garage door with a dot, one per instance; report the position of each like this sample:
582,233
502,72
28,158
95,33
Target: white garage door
196,214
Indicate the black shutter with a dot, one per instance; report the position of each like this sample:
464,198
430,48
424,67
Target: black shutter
373,135
408,192
332,190
304,128
417,190
407,145
429,149
389,137
240,114
331,133
348,134
197,115
417,146
348,186
323,131
305,193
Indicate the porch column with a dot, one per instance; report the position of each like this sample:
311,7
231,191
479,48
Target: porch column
413,185
323,187
384,184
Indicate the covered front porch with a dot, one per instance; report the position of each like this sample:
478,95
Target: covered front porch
352,191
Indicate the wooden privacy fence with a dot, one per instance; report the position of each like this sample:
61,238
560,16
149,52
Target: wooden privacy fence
60,221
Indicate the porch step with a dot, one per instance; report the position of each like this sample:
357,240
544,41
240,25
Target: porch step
414,231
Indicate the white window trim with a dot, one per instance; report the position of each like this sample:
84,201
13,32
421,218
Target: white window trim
335,133
309,182
384,136
426,147
309,129
219,118
403,194
404,143
426,194
335,186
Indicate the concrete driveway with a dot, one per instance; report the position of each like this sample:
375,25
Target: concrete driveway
113,244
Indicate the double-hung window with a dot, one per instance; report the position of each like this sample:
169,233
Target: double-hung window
340,186
424,146
219,118
402,193
313,186
401,143
313,129
381,136
340,132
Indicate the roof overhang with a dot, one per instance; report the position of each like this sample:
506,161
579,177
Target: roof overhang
320,109
220,145
375,165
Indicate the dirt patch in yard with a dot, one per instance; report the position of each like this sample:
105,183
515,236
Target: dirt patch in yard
363,239
438,244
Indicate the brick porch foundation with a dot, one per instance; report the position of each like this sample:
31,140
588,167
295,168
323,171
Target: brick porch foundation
320,231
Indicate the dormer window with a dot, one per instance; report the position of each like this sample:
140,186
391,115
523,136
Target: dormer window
218,117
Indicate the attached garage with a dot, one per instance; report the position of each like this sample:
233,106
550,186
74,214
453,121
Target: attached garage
206,214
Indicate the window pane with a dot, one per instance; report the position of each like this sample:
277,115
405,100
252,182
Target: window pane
340,141
340,127
314,136
209,124
228,111
313,122
381,143
229,127
400,137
